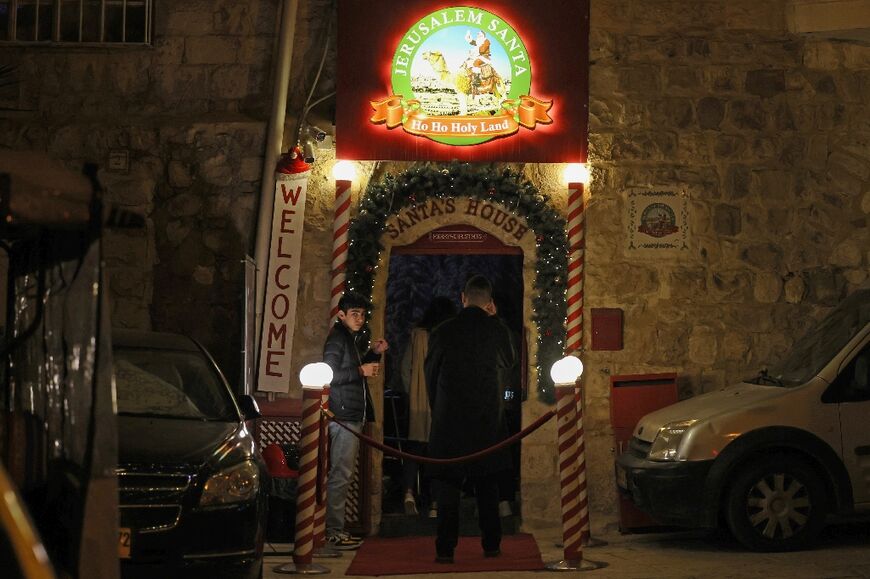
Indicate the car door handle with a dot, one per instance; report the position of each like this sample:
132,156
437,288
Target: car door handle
862,450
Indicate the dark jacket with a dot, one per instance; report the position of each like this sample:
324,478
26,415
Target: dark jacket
349,395
467,356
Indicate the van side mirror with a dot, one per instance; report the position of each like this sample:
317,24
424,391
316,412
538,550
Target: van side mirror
249,406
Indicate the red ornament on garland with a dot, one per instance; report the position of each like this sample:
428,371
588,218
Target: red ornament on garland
491,191
369,269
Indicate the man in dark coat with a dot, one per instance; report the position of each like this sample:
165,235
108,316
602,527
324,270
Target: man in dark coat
467,355
350,401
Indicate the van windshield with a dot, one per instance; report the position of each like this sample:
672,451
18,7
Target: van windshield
820,344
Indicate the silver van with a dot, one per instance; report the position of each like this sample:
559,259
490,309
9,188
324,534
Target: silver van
769,457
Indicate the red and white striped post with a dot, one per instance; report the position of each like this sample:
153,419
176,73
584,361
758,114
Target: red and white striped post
343,171
313,378
565,373
320,548
577,176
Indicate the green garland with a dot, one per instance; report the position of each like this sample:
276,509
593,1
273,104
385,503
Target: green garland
507,187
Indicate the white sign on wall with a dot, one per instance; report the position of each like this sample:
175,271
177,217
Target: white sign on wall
282,283
658,222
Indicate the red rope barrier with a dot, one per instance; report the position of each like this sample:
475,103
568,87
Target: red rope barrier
459,459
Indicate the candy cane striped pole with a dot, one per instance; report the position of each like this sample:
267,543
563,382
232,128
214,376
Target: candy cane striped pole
340,224
303,545
567,441
574,288
320,548
574,329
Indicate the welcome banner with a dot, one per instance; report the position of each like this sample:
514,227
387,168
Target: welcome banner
432,80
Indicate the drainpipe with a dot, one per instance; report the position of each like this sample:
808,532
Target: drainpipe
274,140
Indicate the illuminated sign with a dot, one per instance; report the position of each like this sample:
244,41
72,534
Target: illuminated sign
461,76
500,80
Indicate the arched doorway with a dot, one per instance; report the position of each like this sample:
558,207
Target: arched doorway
459,235
436,265
397,211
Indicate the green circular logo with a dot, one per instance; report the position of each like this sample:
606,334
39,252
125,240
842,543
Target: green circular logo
459,62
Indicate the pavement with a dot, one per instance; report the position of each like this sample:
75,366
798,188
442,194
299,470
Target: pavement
843,551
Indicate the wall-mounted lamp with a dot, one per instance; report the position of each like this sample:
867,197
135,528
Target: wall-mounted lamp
576,173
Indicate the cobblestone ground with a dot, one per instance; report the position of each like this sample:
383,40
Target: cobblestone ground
842,552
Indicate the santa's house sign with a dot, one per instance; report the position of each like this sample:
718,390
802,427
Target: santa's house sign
495,81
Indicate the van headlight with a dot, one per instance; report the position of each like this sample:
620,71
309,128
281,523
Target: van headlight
667,441
236,484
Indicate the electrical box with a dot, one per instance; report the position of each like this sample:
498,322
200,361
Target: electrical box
606,329
631,397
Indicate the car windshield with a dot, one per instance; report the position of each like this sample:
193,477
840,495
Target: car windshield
820,344
170,384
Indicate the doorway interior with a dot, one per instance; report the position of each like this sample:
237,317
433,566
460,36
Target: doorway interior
417,274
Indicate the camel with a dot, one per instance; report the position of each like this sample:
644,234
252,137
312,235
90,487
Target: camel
465,81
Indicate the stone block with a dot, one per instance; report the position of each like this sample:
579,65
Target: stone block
731,286
767,287
847,254
129,248
821,54
738,180
184,205
180,175
795,290
187,19
726,220
856,56
826,286
703,345
177,231
230,82
711,112
765,256
765,83
747,115
640,79
753,15
236,19
772,184
683,78
215,168
539,462
203,275
672,112
735,346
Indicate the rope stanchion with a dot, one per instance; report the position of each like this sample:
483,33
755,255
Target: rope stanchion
566,422
571,526
303,545
389,450
321,550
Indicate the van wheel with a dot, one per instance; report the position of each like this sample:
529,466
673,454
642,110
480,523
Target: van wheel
776,505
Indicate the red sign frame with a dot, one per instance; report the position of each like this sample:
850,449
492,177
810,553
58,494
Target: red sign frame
555,34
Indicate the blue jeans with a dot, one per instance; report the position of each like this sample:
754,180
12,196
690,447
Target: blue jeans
343,450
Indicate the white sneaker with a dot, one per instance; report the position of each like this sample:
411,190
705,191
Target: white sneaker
504,509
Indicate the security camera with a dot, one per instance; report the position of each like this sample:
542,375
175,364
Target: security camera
309,151
317,133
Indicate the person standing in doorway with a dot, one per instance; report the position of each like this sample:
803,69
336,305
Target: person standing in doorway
351,403
414,380
467,357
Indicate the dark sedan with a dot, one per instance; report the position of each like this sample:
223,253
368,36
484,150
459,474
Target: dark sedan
193,488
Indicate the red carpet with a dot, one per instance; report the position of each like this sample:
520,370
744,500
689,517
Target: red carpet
410,555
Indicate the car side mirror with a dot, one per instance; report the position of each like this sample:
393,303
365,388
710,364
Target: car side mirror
249,406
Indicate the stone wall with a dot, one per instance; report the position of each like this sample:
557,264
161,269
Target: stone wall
767,133
189,113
